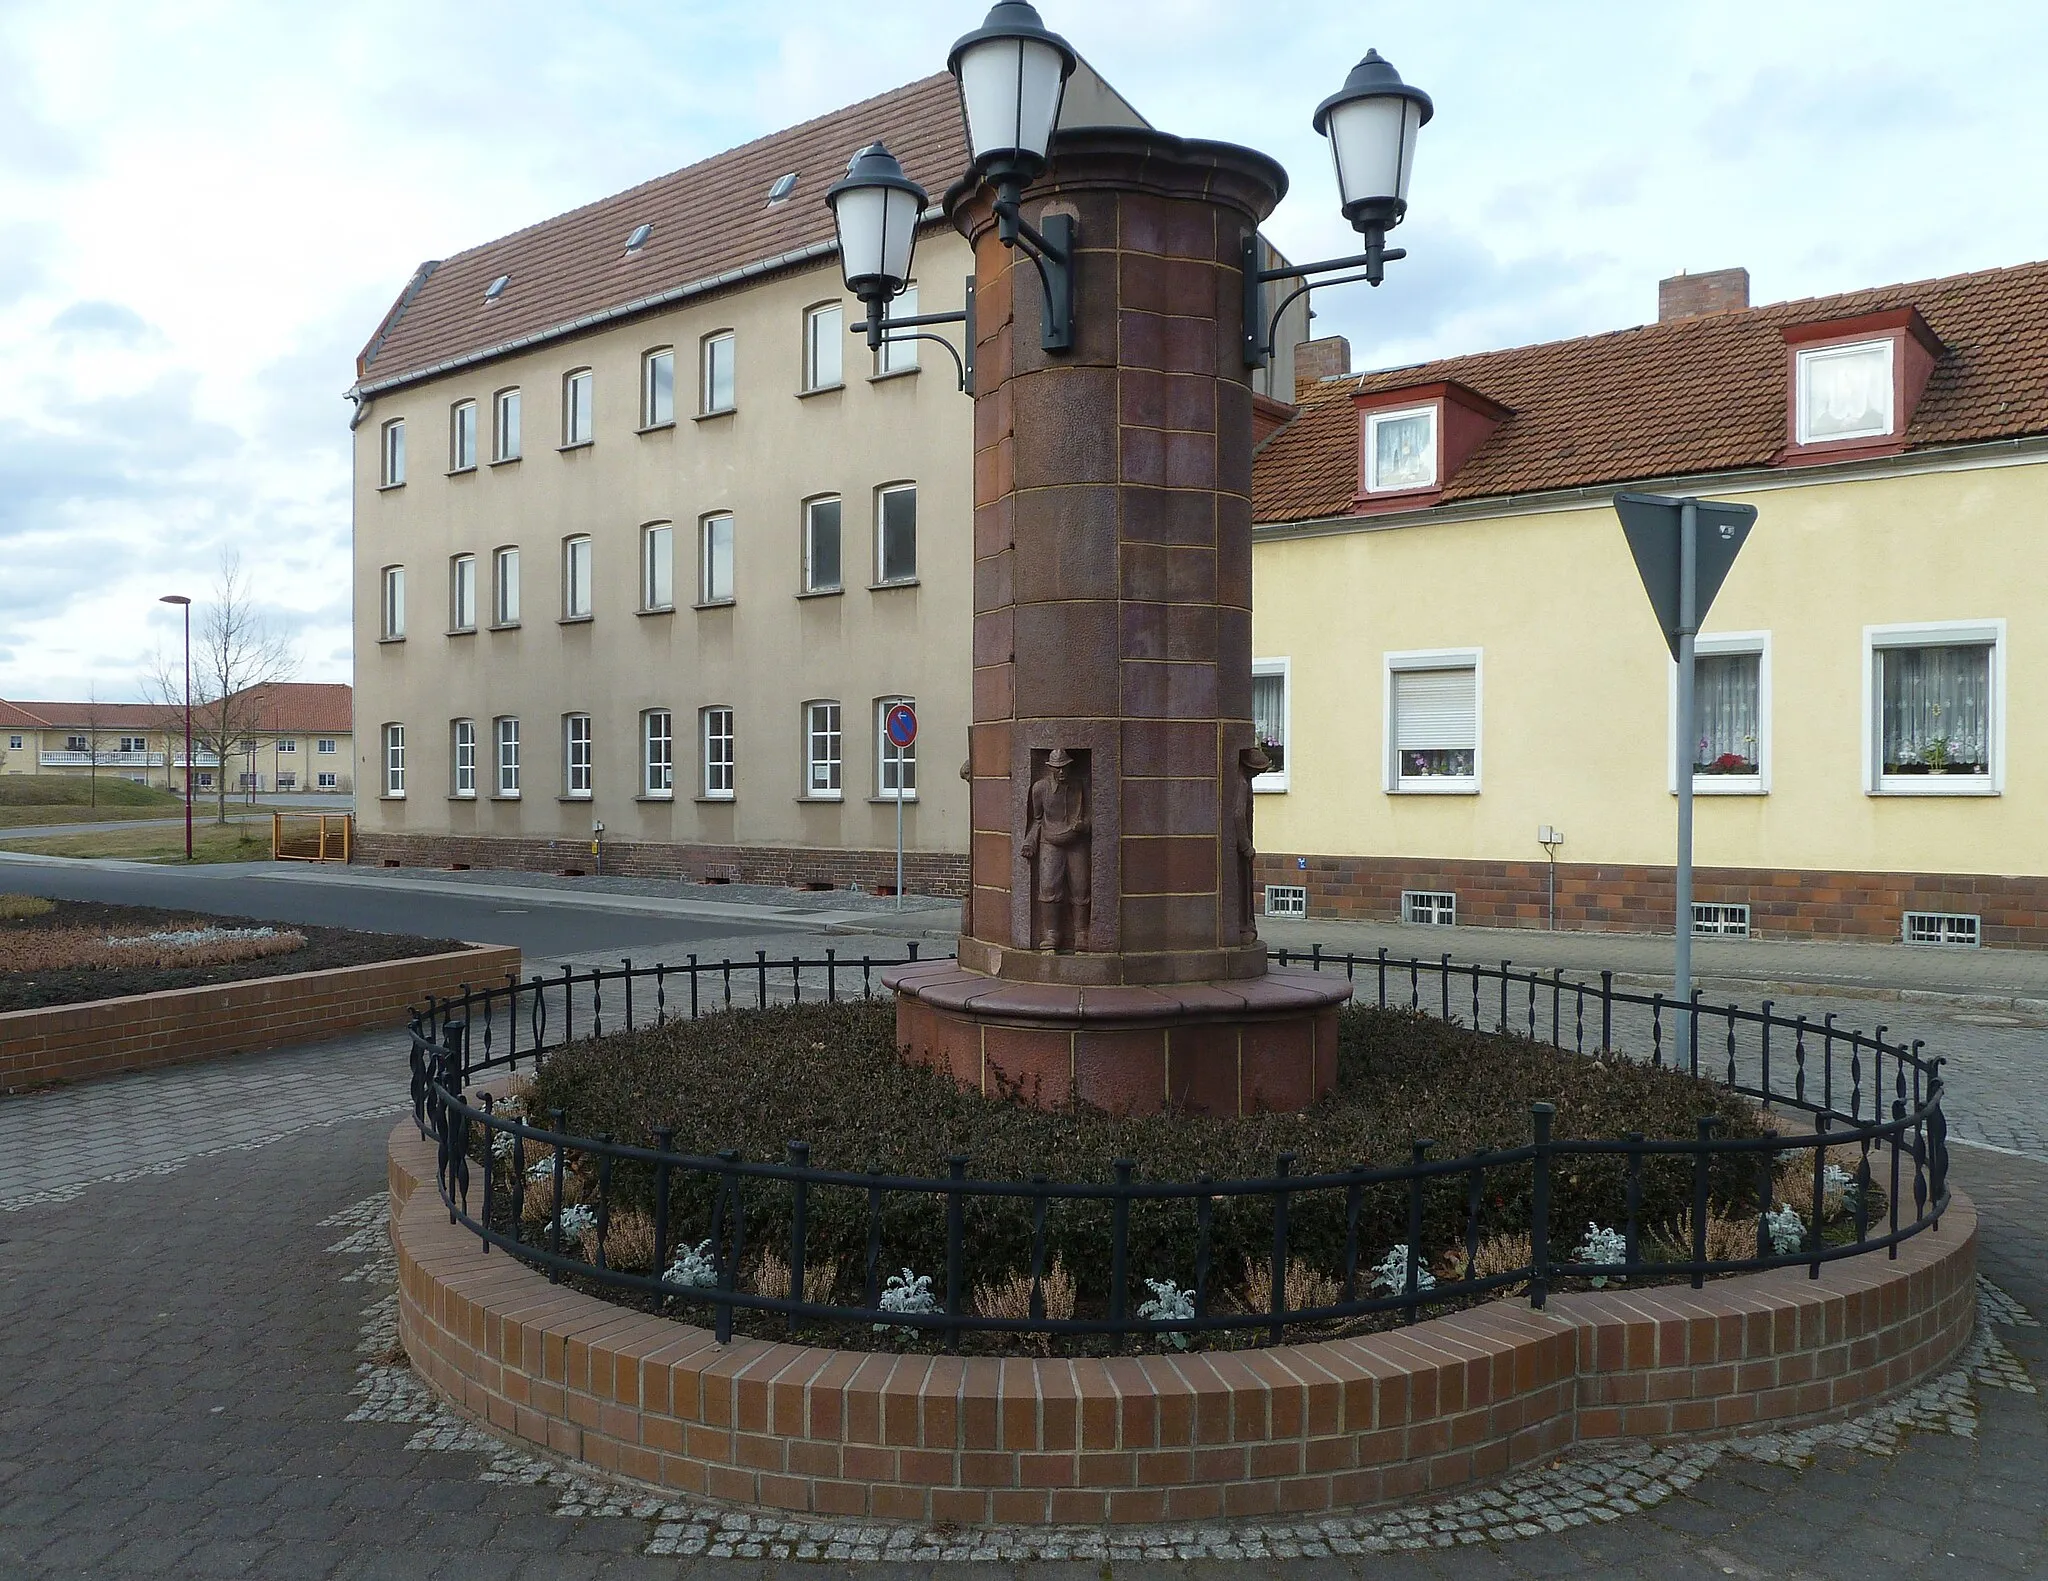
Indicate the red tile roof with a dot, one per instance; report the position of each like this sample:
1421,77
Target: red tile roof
1693,396
305,707
708,219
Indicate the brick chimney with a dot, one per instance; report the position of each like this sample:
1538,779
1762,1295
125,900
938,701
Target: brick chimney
1322,359
1690,295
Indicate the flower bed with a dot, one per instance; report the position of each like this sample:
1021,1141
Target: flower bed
830,1077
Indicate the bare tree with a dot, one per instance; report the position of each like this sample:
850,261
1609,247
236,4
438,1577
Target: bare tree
235,656
94,720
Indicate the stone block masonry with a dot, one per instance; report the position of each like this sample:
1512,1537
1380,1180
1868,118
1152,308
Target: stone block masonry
1625,898
1151,1437
145,1031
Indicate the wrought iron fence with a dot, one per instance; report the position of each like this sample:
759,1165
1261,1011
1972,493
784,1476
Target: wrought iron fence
1862,1095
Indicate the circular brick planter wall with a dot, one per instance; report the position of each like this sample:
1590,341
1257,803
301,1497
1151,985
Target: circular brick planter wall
1296,1428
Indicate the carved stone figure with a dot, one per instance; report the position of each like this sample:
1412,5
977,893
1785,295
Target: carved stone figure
1056,844
1251,763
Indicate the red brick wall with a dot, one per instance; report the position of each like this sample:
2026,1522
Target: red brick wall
924,872
1628,899
1157,1437
142,1031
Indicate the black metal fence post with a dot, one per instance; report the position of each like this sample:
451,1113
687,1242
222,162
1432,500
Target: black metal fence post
1702,1162
1540,1116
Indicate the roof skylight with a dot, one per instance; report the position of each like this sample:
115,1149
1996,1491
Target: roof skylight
639,237
496,288
784,185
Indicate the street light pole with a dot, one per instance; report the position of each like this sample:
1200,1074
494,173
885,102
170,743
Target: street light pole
186,603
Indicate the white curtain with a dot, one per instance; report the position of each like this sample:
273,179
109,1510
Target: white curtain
1937,706
1725,702
1269,716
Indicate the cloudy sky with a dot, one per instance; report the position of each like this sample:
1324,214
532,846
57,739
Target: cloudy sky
206,206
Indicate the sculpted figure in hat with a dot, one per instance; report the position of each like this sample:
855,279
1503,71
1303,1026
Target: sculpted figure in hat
1056,845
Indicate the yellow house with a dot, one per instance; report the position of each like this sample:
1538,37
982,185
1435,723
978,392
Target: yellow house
1456,653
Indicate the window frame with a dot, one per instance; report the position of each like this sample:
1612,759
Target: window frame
896,357
391,604
462,437
1374,420
1804,357
811,586
571,584
1275,781
666,762
575,765
504,734
327,780
657,563
504,402
706,368
651,414
579,408
504,555
886,752
707,762
391,454
882,494
1393,782
324,745
458,583
813,317
707,598
1932,634
462,775
836,732
1714,645
394,761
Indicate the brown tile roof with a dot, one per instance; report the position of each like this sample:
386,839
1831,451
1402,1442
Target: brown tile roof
1697,395
112,716
13,716
307,707
708,218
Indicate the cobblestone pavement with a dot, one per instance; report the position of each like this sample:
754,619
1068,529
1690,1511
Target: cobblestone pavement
194,1381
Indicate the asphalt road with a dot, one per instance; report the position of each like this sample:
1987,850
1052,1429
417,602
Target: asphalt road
268,893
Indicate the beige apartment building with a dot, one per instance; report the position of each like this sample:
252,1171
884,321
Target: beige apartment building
647,543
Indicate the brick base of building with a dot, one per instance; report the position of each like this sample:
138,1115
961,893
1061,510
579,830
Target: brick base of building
792,867
1617,898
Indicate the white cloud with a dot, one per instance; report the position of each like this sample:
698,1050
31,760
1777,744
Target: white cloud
205,208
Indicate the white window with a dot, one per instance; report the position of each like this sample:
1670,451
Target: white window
822,750
657,753
897,356
394,453
75,744
1845,392
462,593
505,587
464,757
1432,712
896,534
1270,721
394,760
895,767
285,781
822,572
576,755
1400,450
1429,908
1731,746
658,566
282,746
718,753
1934,722
714,561
140,744
462,437
505,440
824,334
394,602
576,568
324,746
658,389
205,779
578,423
506,732
717,393
326,781
14,743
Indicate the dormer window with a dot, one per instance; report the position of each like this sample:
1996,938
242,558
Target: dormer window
1845,392
1400,450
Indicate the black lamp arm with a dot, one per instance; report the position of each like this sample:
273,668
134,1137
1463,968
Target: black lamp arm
878,330
1259,330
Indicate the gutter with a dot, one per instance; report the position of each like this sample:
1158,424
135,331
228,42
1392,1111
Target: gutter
2025,450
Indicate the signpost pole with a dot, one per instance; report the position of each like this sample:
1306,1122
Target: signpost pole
1688,630
899,833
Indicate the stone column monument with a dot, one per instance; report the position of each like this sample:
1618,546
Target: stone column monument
1109,948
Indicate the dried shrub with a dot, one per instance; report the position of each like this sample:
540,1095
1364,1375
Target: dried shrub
1504,1253
628,1242
62,949
1729,1238
19,908
1011,1297
1306,1288
771,1278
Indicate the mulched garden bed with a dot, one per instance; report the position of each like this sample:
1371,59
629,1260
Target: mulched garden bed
50,983
831,1076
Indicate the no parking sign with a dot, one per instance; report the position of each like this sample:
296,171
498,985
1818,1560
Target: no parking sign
900,724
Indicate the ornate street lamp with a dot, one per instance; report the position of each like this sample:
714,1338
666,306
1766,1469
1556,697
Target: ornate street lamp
1012,74
876,209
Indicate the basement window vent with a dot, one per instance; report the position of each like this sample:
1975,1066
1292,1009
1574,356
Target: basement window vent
784,186
1286,900
496,288
1713,918
1431,908
639,237
1945,929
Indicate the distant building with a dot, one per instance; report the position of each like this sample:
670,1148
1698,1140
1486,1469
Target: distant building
301,738
1455,648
